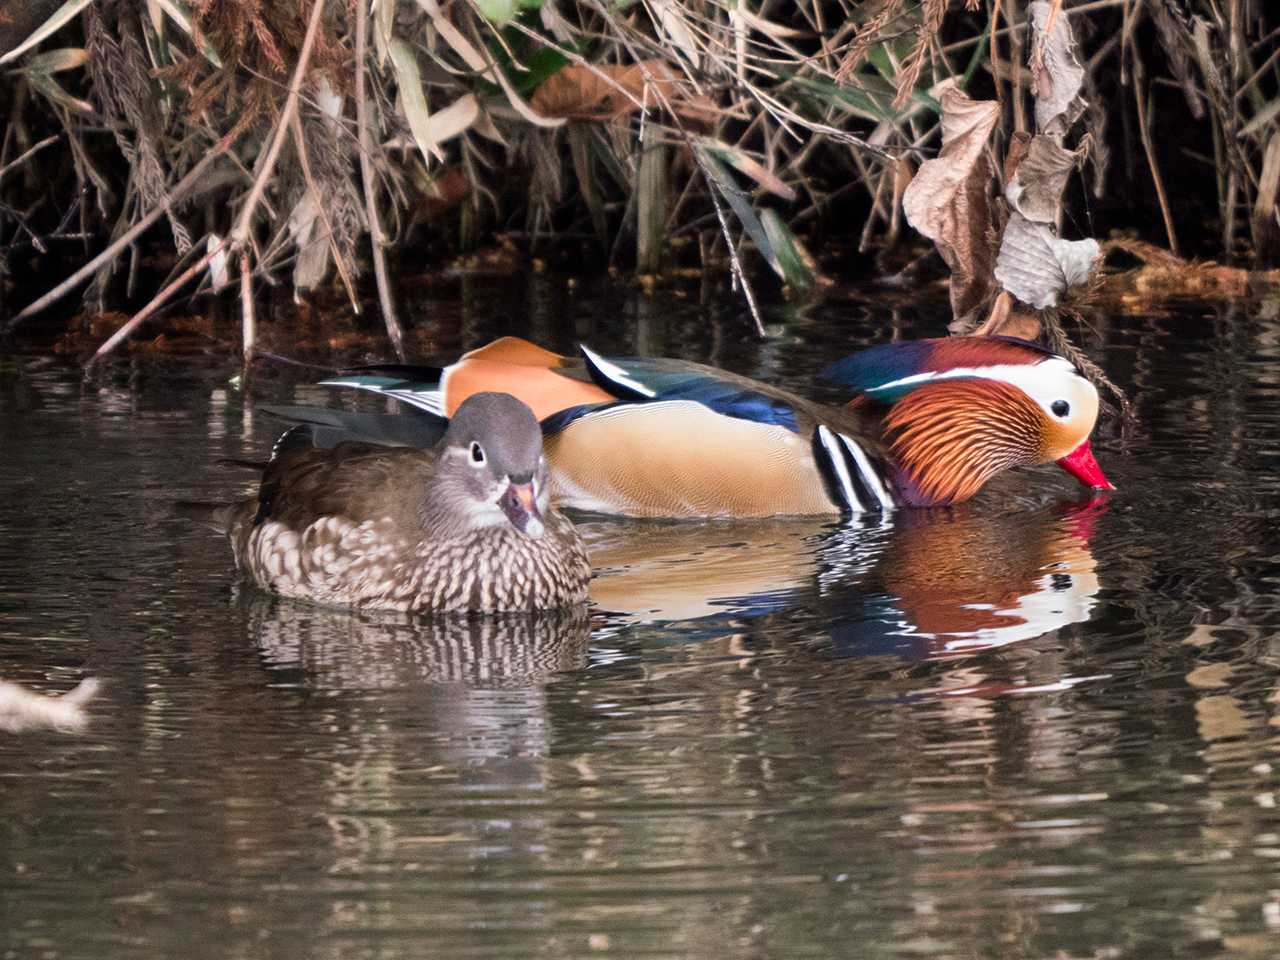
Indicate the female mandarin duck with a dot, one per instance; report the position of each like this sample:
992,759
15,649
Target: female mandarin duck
931,422
465,526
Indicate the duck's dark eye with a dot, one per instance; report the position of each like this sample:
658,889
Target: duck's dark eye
1060,408
477,453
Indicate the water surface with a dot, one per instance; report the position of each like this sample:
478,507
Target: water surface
1034,726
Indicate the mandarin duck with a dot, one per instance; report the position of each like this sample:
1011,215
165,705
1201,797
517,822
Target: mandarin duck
931,421
465,526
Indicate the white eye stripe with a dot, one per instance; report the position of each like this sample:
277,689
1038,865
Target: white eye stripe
1044,382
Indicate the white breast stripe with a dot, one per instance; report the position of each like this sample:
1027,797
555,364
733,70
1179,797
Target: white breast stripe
832,446
615,373
869,475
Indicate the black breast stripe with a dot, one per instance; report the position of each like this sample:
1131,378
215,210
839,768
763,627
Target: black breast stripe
865,493
833,462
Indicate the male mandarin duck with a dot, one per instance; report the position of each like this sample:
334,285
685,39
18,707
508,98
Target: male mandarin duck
930,423
466,526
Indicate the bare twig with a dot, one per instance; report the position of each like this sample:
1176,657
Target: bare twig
237,241
19,160
266,165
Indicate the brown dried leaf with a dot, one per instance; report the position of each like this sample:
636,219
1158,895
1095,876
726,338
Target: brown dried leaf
1055,71
579,92
1034,186
948,200
1037,267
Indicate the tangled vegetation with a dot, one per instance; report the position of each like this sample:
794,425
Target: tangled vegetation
269,138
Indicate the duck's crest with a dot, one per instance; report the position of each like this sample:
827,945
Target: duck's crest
888,372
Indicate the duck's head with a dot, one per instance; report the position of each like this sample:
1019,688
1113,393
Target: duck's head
490,470
963,409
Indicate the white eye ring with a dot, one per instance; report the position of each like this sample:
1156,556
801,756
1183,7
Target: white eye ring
477,455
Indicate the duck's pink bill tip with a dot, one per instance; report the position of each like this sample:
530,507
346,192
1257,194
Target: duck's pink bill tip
1082,465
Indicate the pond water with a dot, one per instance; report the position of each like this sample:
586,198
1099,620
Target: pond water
1035,726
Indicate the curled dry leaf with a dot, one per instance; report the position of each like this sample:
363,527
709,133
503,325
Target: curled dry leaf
1005,321
609,91
948,200
1034,186
1037,267
1055,72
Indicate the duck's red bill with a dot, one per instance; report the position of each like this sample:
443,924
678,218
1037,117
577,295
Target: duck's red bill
1082,465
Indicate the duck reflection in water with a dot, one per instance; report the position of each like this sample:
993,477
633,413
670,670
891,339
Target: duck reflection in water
924,585
338,649
927,585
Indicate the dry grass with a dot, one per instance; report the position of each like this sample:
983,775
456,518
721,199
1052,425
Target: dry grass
480,116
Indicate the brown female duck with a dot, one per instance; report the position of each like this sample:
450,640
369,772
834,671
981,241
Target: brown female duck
463,527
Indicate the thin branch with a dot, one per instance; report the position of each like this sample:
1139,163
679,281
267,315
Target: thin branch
249,326
17,161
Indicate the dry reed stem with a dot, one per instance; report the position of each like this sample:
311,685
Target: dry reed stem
364,148
240,232
237,241
1144,133
31,152
249,328
267,164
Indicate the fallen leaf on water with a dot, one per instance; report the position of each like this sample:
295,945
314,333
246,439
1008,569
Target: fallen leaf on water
1037,267
21,709
948,200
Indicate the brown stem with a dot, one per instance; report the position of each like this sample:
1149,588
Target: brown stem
1144,132
240,232
376,240
17,161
